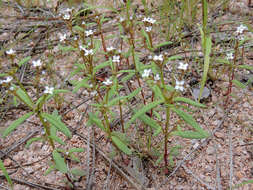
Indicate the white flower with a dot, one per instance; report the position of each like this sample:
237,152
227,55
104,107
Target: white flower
93,93
146,73
8,79
62,37
88,33
107,82
68,10
11,52
1,81
182,66
12,88
149,20
157,77
110,48
66,16
230,56
158,58
240,29
67,153
179,85
121,19
240,37
37,63
82,48
88,52
148,28
83,23
116,59
48,90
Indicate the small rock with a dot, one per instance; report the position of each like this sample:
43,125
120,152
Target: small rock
219,135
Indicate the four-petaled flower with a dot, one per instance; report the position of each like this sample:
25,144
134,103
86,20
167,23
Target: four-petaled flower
157,77
179,85
230,56
49,90
10,52
37,63
62,37
88,33
88,52
240,29
68,10
107,82
116,59
149,20
182,66
146,73
148,28
66,16
158,58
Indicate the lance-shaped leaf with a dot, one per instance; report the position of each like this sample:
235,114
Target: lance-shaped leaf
16,123
191,121
6,175
142,111
188,101
24,97
59,162
57,123
23,61
95,120
188,134
121,145
152,123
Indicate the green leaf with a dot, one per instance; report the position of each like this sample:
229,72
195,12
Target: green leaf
95,120
16,123
24,98
121,145
249,67
239,84
143,111
76,150
127,77
30,141
134,93
66,48
6,175
50,169
250,181
188,101
78,28
101,66
57,123
188,134
23,61
152,123
144,33
80,84
78,172
163,44
59,162
189,120
57,139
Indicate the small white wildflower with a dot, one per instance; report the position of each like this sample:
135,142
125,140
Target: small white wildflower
240,37
146,73
116,59
148,28
82,48
149,20
110,48
67,153
43,72
182,66
158,58
88,33
131,17
37,63
8,79
12,88
107,82
93,93
11,52
88,52
150,57
1,81
83,23
43,132
230,56
179,85
66,16
62,37
240,29
121,19
68,10
48,90
157,77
